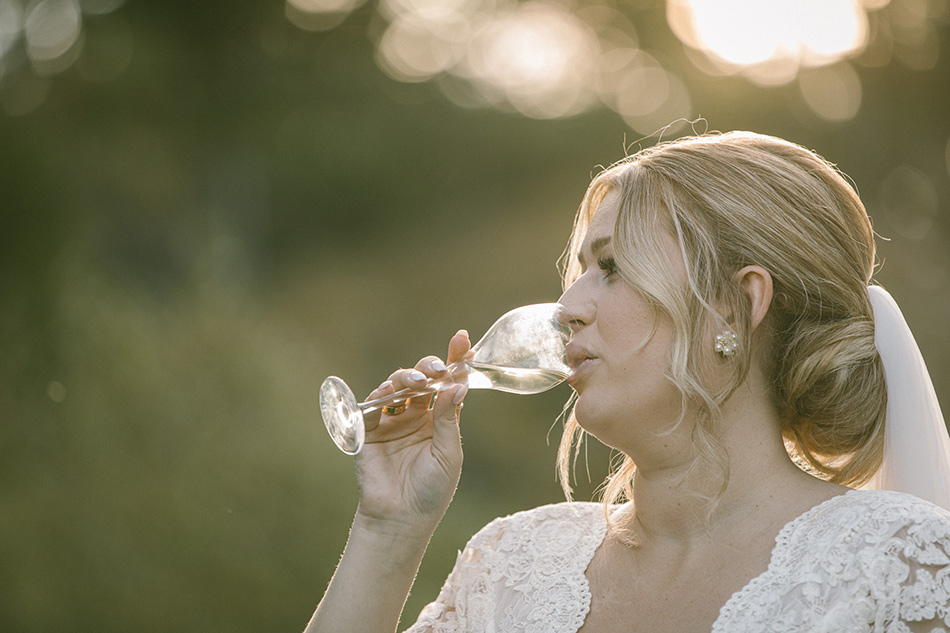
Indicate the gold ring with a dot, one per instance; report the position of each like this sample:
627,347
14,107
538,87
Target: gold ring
395,410
458,407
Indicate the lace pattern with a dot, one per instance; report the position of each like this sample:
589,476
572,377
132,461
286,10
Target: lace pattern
521,573
865,561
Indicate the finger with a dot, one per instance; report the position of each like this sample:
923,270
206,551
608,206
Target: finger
434,369
413,379
408,378
446,440
371,419
431,366
459,346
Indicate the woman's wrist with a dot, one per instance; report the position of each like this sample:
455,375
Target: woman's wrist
395,532
397,549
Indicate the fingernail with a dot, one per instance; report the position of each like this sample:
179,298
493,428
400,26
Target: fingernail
416,375
460,394
386,384
462,333
438,365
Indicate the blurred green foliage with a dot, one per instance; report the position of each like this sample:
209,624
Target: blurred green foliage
187,249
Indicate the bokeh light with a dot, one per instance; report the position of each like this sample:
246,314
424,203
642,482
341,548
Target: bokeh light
547,59
51,30
741,34
541,59
775,42
41,38
417,49
832,92
319,15
11,23
537,57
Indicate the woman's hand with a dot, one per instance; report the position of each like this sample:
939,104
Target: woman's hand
410,464
407,473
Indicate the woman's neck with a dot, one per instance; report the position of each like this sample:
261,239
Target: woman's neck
678,497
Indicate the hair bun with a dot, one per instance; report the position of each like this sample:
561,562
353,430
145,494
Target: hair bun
830,397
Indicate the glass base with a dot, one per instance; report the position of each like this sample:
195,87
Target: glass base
342,415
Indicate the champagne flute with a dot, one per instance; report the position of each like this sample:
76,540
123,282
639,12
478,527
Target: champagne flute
523,352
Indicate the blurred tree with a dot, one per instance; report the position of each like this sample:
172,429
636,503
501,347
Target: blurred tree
209,208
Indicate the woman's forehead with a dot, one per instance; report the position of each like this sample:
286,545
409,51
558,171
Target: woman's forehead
660,241
605,218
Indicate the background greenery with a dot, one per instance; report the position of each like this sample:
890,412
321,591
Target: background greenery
189,245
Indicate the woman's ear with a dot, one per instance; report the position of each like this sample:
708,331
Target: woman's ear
756,282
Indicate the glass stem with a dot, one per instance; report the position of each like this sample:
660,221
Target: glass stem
456,373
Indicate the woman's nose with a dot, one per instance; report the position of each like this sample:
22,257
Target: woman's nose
576,308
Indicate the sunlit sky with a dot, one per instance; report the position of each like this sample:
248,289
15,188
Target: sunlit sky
550,59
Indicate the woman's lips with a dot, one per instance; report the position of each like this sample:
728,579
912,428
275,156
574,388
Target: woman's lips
579,371
579,360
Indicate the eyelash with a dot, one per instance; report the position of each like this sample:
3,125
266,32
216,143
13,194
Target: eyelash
608,265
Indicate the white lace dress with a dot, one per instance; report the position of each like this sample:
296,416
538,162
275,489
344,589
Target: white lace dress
862,561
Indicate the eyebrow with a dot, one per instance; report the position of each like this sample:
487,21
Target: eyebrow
596,246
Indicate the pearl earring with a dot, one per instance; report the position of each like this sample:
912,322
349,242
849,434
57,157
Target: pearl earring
727,343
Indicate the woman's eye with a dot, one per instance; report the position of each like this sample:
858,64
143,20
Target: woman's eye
608,265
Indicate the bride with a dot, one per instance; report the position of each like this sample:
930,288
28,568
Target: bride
726,341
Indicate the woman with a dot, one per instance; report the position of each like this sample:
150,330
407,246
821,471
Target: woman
723,341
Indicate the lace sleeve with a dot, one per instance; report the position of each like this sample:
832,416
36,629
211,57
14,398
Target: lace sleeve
458,600
522,572
919,563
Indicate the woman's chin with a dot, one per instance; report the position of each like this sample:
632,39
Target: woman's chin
590,415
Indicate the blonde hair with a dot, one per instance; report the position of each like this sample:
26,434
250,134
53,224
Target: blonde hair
733,200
